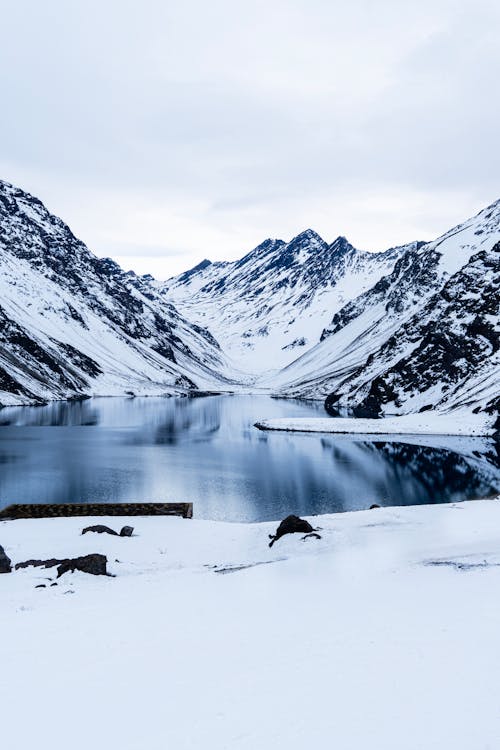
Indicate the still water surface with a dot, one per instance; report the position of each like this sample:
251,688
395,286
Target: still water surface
206,450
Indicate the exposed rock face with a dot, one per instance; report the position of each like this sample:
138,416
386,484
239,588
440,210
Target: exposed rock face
72,323
5,562
455,340
291,525
94,564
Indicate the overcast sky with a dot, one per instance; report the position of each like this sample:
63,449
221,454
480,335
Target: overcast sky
166,132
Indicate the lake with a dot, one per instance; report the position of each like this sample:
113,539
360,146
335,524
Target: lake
206,450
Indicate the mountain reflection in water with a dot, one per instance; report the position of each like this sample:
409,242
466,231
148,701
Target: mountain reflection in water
206,450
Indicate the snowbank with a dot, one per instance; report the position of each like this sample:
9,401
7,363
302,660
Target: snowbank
383,634
426,423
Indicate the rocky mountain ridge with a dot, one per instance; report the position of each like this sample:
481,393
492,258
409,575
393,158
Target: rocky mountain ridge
273,303
424,337
72,323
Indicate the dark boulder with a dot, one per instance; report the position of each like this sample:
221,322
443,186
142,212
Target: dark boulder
375,505
94,564
5,563
291,525
100,529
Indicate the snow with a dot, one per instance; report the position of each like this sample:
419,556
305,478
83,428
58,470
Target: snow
427,423
383,634
235,301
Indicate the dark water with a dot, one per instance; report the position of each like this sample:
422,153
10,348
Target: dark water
207,451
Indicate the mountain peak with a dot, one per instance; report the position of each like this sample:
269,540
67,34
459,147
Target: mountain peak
339,241
309,236
193,271
340,246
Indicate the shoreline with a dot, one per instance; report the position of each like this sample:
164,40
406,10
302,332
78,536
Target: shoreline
428,423
463,424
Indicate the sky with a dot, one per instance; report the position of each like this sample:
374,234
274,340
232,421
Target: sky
164,133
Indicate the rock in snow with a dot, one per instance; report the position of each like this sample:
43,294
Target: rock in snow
101,529
5,562
291,525
95,564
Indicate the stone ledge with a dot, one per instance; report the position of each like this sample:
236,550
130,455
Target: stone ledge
66,510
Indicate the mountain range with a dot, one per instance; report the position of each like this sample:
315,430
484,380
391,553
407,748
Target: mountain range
272,305
413,328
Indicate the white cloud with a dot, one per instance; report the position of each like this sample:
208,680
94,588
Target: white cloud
201,128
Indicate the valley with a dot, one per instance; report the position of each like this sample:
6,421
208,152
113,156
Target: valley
409,330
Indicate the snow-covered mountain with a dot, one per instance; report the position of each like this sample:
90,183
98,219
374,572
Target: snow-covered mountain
273,304
407,330
71,323
425,336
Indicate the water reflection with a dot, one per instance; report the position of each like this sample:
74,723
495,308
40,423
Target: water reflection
206,450
56,414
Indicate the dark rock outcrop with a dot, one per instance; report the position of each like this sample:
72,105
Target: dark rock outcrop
5,563
291,525
100,529
94,564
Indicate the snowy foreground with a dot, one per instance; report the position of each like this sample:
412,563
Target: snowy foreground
381,635
426,423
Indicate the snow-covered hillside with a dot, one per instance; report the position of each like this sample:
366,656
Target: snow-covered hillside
271,305
426,336
383,634
72,324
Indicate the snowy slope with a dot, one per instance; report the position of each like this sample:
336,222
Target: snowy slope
381,634
71,323
425,336
271,305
